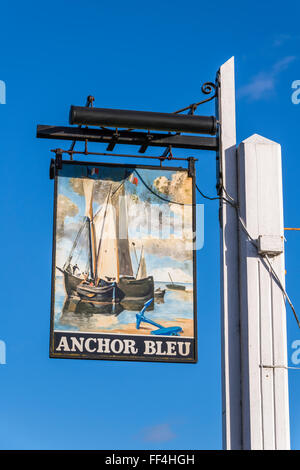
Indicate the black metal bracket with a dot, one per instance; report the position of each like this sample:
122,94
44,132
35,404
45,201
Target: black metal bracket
219,178
146,144
163,121
167,153
52,169
58,159
114,141
191,167
141,139
55,164
207,88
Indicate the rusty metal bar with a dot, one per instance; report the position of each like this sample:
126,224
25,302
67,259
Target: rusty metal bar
154,157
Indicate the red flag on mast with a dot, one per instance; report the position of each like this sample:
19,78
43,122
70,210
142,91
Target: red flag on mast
133,179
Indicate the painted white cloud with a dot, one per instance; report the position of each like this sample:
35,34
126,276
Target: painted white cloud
65,207
177,275
178,189
177,249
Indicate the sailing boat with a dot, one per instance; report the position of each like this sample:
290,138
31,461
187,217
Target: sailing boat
104,263
174,286
139,288
71,276
110,273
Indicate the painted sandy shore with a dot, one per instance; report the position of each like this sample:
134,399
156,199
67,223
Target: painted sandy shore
130,328
186,325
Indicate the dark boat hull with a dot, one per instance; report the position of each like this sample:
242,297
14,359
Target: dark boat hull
107,293
137,289
175,287
71,283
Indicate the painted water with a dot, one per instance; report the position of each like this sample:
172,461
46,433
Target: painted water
71,314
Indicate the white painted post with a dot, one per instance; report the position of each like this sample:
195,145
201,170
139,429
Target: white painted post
230,314
265,402
254,345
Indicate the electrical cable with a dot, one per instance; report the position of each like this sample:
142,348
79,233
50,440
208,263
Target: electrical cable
233,204
217,198
265,258
158,195
278,367
206,197
182,203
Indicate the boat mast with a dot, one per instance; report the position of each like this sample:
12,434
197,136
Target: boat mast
139,262
90,249
171,278
93,243
88,188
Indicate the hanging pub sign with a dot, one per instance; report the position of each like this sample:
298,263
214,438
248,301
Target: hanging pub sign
124,275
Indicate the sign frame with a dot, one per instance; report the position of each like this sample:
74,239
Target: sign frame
116,356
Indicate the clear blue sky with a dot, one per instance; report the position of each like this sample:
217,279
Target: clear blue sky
151,56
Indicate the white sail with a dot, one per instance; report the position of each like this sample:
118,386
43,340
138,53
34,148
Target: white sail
142,270
120,205
107,265
88,188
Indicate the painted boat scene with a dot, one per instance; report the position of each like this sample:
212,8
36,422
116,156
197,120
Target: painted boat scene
124,251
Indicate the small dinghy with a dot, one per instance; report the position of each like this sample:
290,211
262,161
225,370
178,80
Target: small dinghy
159,293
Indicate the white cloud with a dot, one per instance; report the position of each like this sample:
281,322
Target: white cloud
159,433
281,39
264,82
282,64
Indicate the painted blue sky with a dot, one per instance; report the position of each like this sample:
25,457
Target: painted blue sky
154,57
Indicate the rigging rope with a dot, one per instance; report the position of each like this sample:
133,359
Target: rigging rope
68,261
